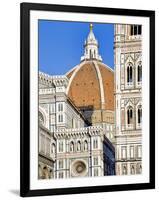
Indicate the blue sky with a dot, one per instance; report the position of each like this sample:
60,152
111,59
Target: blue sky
61,44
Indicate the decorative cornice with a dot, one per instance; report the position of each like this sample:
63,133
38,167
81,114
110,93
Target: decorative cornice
49,80
78,132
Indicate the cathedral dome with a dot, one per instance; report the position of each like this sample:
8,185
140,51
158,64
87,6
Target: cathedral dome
91,85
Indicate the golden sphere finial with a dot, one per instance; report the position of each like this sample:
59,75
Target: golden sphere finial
91,26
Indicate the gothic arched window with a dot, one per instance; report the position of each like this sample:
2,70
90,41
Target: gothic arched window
85,145
78,146
139,115
130,73
72,146
60,107
60,164
94,53
132,170
136,30
130,115
139,169
53,148
61,146
60,118
95,143
124,170
90,53
139,72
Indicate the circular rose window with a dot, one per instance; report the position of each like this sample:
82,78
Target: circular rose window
79,168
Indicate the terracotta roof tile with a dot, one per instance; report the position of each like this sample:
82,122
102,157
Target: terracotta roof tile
85,90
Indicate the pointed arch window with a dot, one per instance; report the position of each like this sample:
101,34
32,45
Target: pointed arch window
53,148
85,145
78,146
72,146
136,30
60,107
95,143
139,169
124,169
130,73
60,118
95,161
139,115
90,53
94,53
130,115
60,164
139,151
123,152
139,72
61,146
132,169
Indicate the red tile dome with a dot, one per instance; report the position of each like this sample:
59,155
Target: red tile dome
91,84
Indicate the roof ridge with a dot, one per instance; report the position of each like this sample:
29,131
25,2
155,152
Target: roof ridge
100,80
67,73
112,70
73,75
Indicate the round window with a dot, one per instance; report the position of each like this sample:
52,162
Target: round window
79,168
